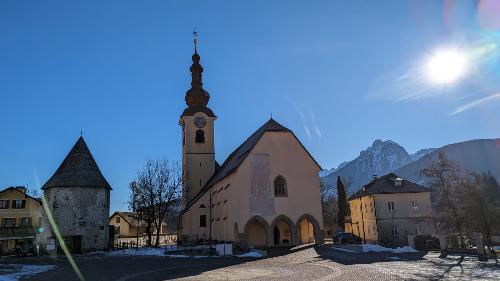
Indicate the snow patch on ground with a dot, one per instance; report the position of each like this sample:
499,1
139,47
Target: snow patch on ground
161,251
343,250
405,249
143,251
173,248
176,256
250,255
23,270
375,248
378,248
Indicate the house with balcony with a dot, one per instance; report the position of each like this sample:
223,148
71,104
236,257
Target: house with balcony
388,209
20,216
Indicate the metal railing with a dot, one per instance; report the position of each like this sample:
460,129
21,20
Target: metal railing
17,231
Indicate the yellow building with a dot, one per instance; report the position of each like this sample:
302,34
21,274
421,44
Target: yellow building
130,231
388,209
20,216
266,193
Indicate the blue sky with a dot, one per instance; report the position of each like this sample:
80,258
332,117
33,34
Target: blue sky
339,74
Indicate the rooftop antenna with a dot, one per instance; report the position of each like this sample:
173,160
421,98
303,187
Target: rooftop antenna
81,133
195,40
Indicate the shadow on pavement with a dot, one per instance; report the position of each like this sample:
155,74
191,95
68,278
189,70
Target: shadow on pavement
348,258
286,250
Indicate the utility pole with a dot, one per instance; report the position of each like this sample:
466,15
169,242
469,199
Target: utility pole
137,235
134,209
210,217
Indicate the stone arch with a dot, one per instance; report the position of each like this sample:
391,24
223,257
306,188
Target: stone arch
257,232
291,226
317,232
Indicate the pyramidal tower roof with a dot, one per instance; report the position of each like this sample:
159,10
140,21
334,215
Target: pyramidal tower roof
78,169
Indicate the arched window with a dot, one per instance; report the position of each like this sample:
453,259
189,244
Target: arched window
280,187
200,136
202,206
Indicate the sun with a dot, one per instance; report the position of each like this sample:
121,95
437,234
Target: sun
446,66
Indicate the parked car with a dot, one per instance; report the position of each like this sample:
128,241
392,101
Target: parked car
346,238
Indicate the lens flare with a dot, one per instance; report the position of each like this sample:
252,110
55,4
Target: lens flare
446,66
58,235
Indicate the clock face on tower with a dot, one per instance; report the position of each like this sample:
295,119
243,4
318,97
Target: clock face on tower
200,122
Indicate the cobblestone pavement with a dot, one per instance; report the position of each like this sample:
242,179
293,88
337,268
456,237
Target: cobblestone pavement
304,264
325,263
307,263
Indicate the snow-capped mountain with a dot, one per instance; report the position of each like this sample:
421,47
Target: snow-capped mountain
422,152
383,157
380,158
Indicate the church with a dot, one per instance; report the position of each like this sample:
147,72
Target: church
266,193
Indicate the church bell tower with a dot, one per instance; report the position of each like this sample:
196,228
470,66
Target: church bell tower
197,122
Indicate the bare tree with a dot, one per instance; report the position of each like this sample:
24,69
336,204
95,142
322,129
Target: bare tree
168,183
348,181
444,178
328,207
34,192
482,212
140,202
154,190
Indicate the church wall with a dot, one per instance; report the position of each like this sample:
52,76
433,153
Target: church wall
223,209
81,211
191,229
250,192
222,214
286,158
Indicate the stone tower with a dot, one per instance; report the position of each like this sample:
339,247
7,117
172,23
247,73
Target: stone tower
197,121
78,197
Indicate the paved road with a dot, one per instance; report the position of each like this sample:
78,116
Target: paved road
309,263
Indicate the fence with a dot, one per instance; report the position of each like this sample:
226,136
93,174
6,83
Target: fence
131,242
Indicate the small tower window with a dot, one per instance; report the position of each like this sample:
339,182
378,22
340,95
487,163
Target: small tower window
200,136
280,187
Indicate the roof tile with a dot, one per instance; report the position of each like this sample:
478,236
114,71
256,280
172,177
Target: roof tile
386,185
78,169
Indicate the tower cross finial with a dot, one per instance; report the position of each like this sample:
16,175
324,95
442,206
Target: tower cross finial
195,40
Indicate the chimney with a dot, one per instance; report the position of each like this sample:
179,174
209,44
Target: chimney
398,182
375,177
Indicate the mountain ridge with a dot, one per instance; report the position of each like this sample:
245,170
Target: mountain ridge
387,156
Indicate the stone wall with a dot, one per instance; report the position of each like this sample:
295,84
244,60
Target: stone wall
81,211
